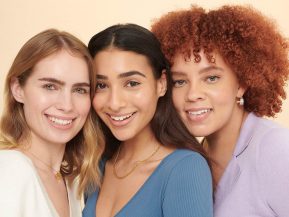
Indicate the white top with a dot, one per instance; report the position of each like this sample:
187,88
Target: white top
22,193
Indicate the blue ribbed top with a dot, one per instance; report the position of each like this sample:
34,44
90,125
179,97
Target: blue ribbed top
181,186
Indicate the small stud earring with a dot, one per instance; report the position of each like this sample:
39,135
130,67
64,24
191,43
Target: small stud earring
241,101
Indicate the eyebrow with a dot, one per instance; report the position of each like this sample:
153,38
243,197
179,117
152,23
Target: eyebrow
62,83
206,69
122,75
178,73
82,84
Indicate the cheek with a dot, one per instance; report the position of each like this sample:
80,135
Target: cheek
97,103
178,99
35,105
83,106
222,96
86,107
145,98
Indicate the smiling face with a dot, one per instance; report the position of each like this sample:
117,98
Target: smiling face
55,98
127,92
205,94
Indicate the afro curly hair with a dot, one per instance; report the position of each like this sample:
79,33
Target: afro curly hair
249,42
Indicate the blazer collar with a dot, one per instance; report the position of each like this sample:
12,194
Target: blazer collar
233,170
246,134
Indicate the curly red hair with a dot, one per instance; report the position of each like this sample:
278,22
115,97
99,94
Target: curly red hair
248,41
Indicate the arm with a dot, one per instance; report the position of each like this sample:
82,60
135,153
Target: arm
274,170
189,189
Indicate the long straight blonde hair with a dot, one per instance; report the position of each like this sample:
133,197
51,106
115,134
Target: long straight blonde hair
84,151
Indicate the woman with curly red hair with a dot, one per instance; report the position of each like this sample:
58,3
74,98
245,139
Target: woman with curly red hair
229,69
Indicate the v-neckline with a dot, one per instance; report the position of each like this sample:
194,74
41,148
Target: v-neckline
140,190
43,189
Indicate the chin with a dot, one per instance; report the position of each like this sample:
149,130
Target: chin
60,140
122,136
199,132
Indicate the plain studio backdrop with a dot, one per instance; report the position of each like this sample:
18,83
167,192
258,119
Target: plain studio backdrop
20,20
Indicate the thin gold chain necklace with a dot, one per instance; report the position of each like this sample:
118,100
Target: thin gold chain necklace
136,164
57,174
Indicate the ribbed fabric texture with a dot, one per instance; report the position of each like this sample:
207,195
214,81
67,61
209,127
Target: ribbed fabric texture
181,186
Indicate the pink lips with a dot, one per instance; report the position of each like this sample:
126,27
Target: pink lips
121,120
198,115
58,122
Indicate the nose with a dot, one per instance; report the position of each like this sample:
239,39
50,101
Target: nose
117,100
195,92
65,101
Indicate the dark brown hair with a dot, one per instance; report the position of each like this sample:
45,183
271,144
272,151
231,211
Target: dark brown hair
166,124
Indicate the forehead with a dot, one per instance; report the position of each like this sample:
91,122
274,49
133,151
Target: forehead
181,62
113,62
62,65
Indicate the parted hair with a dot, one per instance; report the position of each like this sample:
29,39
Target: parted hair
85,149
249,42
166,125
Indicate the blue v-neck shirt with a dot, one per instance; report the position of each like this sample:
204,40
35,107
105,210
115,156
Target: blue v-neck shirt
181,186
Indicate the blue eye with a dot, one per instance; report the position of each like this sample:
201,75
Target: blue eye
132,84
179,83
49,87
212,79
81,90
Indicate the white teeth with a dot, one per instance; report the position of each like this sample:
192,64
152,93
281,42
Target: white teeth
60,121
120,118
199,112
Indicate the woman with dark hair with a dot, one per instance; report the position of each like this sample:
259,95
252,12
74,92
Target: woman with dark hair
151,166
229,68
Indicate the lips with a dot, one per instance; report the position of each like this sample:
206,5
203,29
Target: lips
199,112
120,119
198,115
60,121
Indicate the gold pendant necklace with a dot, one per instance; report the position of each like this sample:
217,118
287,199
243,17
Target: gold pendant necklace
57,173
136,164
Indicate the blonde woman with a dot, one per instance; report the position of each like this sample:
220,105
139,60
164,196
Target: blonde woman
49,142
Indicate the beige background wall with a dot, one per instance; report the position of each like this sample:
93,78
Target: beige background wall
20,20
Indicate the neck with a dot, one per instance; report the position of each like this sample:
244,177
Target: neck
221,144
138,147
50,154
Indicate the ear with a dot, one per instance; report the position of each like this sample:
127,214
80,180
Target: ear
162,84
16,90
241,90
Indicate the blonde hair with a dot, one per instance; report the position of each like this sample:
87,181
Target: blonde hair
84,151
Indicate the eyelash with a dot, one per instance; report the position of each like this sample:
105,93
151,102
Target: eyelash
49,87
132,84
212,78
179,83
100,86
80,90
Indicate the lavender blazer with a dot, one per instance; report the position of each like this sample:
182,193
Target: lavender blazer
256,180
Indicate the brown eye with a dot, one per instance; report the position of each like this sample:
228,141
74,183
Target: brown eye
132,84
100,86
179,83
